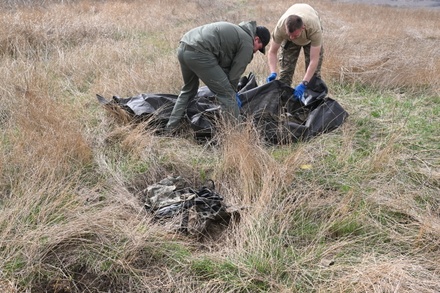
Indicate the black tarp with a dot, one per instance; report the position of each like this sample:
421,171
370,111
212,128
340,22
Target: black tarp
276,114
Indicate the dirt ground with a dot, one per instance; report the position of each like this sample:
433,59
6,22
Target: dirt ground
400,3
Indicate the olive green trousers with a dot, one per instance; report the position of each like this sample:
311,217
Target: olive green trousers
289,56
197,65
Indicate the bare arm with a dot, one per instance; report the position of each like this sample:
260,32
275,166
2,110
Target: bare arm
314,60
272,56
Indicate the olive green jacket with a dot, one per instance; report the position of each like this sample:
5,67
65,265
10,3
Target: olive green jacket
231,44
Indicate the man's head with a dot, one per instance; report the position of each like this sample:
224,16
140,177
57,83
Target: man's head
262,36
294,26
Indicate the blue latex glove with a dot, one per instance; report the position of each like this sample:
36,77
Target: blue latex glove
271,77
237,98
298,92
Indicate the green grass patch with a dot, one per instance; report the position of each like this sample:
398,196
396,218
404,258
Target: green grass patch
346,227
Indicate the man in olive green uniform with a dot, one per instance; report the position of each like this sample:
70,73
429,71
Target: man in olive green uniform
299,27
218,54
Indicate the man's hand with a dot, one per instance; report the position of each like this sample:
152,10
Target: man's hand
271,77
298,92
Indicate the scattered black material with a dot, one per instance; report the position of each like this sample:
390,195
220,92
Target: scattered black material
206,201
271,107
193,211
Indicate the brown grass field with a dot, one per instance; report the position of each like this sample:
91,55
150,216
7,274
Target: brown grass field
354,210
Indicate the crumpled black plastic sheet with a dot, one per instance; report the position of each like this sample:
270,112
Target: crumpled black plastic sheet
271,107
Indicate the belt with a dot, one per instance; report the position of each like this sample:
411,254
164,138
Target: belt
186,47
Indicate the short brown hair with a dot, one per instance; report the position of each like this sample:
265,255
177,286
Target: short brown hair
293,22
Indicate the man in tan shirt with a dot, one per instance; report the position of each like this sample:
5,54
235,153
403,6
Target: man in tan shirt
299,27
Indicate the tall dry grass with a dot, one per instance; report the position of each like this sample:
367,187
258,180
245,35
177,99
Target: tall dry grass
355,210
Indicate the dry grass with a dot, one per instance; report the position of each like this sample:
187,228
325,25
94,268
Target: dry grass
355,210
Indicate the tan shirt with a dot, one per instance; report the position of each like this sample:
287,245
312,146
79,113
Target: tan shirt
312,33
